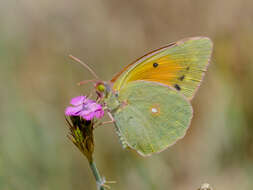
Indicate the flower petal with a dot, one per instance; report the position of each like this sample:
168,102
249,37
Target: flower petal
93,106
73,111
99,113
78,100
89,101
89,116
86,108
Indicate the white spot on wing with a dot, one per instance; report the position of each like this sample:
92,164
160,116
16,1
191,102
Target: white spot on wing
154,110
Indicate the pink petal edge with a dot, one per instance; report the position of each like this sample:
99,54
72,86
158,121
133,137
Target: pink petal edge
73,110
78,100
99,113
88,117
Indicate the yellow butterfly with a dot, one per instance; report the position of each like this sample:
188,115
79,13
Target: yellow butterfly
149,99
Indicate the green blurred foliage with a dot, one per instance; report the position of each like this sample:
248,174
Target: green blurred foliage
37,80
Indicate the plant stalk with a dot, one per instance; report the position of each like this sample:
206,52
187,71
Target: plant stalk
99,180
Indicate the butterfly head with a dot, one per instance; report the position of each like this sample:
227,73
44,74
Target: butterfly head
102,89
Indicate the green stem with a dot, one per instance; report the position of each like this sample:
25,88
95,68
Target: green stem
97,176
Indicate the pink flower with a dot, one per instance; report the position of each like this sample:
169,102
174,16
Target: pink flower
85,108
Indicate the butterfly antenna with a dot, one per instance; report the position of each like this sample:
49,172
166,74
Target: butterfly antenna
86,66
87,81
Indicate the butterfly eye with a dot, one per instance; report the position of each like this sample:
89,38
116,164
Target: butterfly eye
101,87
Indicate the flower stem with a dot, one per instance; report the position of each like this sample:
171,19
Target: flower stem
99,180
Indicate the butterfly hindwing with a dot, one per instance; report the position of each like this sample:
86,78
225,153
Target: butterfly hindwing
180,65
153,116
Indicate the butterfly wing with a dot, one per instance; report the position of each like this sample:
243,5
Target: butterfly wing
154,116
180,65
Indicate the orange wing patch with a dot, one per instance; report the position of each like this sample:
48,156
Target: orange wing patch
162,70
139,60
180,65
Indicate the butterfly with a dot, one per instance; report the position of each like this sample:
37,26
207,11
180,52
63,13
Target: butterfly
149,100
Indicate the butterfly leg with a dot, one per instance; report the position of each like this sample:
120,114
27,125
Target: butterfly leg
111,117
105,122
102,123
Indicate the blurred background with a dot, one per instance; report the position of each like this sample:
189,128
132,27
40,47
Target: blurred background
37,80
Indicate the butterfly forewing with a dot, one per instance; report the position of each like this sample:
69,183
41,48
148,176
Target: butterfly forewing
180,65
